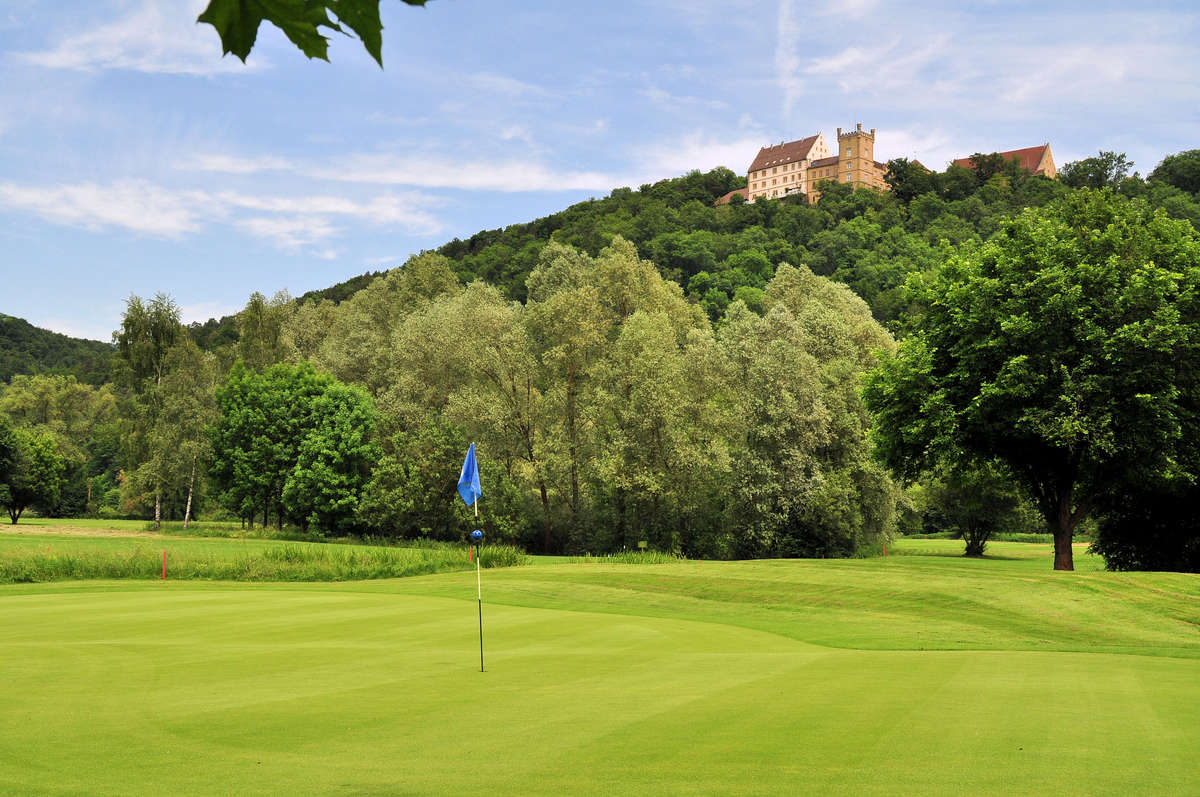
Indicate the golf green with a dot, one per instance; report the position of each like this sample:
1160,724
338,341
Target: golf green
690,678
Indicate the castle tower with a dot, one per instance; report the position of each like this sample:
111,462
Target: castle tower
856,157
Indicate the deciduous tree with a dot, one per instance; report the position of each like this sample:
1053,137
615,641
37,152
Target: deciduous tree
1065,347
1181,170
34,476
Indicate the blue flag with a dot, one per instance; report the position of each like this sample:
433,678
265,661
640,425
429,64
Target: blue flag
468,481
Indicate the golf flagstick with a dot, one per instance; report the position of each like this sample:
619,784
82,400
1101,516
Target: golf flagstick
479,590
469,490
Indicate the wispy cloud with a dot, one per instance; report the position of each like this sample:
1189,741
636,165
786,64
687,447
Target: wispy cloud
75,328
517,133
288,222
429,170
199,312
854,9
232,164
502,84
132,204
156,37
667,101
878,69
699,151
787,55
289,232
933,147
510,175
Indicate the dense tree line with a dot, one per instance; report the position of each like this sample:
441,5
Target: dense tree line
647,366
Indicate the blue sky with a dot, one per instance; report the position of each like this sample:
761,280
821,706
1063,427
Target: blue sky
134,159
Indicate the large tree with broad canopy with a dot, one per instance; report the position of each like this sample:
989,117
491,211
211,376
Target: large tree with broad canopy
1066,346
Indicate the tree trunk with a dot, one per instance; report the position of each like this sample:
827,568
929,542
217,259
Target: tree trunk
157,507
187,513
1064,556
1064,532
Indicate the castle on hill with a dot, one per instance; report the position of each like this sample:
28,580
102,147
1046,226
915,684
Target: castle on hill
796,167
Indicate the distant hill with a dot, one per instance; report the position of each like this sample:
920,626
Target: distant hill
26,349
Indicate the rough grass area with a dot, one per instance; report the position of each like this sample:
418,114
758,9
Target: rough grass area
923,673
26,558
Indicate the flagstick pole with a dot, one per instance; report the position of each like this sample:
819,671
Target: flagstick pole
479,591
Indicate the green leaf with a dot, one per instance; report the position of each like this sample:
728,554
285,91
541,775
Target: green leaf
237,21
362,17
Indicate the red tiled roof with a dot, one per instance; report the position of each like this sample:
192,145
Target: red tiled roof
1028,158
823,162
783,153
724,200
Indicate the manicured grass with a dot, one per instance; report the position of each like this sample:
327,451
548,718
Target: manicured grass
919,673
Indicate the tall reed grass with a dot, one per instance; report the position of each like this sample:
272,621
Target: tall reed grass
280,563
629,558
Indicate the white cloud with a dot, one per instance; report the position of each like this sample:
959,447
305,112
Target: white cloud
473,175
423,171
156,37
74,328
933,148
517,133
232,164
131,204
502,84
670,102
854,9
288,222
289,232
883,69
699,151
787,56
199,312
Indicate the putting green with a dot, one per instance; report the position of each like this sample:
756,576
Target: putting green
698,678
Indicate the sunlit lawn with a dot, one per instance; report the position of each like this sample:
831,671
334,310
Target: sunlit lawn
920,673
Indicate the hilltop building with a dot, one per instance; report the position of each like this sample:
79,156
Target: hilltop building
796,167
1037,160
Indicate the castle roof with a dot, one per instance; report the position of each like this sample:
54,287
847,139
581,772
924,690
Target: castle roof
1029,158
727,198
786,152
824,162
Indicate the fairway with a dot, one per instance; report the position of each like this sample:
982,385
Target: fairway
920,673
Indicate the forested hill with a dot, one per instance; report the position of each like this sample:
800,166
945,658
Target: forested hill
869,240
26,349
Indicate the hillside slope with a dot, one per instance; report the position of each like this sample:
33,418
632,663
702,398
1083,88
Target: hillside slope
26,349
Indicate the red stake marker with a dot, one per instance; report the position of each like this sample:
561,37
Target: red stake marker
471,553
